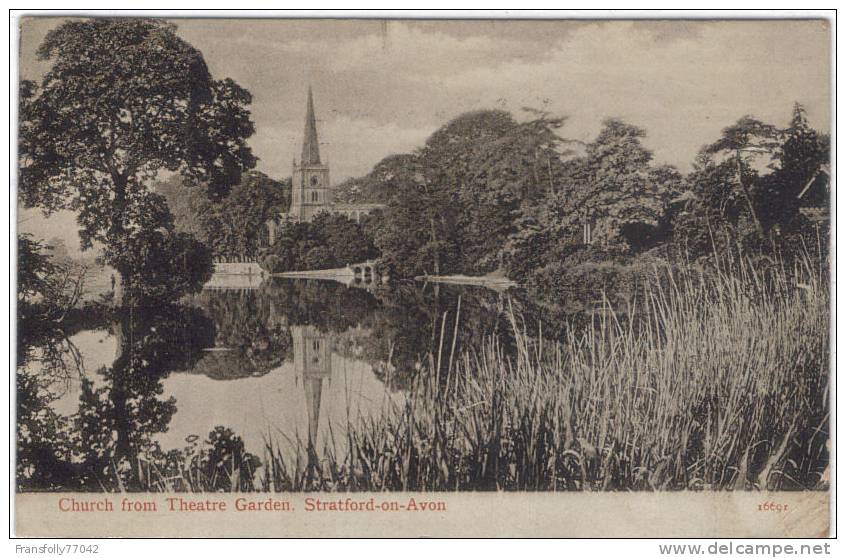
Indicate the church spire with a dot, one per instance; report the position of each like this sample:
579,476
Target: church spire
311,151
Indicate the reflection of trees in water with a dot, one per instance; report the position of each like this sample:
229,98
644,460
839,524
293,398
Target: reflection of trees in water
41,435
47,363
251,338
402,331
117,421
329,306
47,345
397,329
107,444
417,326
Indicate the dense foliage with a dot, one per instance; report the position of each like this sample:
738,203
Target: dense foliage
329,241
124,100
234,225
454,201
745,189
487,193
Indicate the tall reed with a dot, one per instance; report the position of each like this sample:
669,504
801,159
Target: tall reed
720,383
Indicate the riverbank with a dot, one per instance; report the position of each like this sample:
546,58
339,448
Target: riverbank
495,280
337,273
722,386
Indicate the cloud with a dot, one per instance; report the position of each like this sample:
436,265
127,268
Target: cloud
382,89
351,145
682,91
411,52
356,144
682,81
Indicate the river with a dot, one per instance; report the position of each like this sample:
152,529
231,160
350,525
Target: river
286,361
289,357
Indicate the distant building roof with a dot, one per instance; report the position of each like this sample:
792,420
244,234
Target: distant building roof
823,170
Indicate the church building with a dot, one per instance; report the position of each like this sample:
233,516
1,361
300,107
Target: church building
311,190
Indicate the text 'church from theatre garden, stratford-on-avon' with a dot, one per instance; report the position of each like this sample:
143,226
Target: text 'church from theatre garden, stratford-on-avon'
312,192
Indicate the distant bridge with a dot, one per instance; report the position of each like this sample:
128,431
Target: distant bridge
249,275
362,274
366,271
236,275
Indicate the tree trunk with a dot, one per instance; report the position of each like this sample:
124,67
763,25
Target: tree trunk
119,397
434,235
117,232
433,230
748,197
118,291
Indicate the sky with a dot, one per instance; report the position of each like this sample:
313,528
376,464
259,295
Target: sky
383,87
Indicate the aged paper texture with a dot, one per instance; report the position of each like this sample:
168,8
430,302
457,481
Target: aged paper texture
441,278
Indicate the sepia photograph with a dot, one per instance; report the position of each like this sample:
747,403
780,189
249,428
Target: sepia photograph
398,273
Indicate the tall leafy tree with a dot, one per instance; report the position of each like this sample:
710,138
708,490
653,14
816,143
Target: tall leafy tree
236,225
740,144
124,100
380,184
745,186
449,163
516,169
622,192
798,159
716,215
450,192
329,241
614,188
190,206
415,234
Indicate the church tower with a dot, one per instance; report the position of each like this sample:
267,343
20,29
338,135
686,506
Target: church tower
310,189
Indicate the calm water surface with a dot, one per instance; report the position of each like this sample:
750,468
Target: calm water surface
287,359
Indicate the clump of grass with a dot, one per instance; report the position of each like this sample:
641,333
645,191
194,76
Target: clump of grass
218,464
721,383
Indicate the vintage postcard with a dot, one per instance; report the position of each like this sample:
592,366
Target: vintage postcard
423,277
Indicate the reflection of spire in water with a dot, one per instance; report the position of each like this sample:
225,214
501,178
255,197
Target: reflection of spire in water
312,363
313,390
